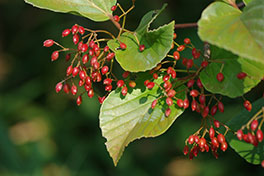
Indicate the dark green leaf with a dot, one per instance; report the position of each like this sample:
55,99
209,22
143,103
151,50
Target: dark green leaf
250,153
231,86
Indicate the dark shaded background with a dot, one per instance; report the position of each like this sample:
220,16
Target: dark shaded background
42,133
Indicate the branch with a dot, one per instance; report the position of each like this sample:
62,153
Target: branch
186,25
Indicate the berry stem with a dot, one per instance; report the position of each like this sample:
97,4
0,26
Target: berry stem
186,25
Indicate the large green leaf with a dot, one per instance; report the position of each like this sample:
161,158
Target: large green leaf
122,120
247,1
157,43
229,28
97,10
250,153
231,86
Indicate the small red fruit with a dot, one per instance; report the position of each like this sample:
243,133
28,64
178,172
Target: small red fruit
248,105
116,18
185,150
221,106
66,32
113,8
169,101
123,46
216,123
120,83
186,103
181,48
176,55
58,87
194,105
90,93
154,103
48,43
180,103
239,134
171,93
254,125
224,146
54,55
69,70
213,110
85,59
124,91
259,135
190,83
108,81
132,84
141,48
221,138
75,39
220,77
74,90
191,139
196,54
74,29
66,88
101,99
194,93
167,112
204,64
79,100
187,41
104,70
150,85
241,75
75,71
199,83
81,30
212,132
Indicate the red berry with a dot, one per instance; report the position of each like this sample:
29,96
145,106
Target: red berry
108,88
194,93
80,46
174,36
189,64
108,81
69,70
185,103
82,75
81,30
214,142
221,106
85,59
185,150
90,93
93,61
141,48
91,52
196,54
106,49
154,103
181,48
187,41
66,32
150,85
74,29
124,91
68,57
167,112
116,18
221,138
110,56
123,46
204,64
120,83
132,84
241,75
191,139
155,76
259,135
75,39
248,105
213,110
104,70
190,83
262,164
184,61
212,132
196,139
88,80
194,105
171,93
75,71
202,142
220,77
66,88
113,8
169,101
199,83
176,55
239,134
224,146
202,99
166,78
79,100
81,82
216,123
205,112
84,48
54,55
101,99
48,43
254,125
58,87
180,103
74,90
125,74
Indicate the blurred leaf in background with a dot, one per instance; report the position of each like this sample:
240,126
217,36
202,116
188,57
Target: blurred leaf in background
42,133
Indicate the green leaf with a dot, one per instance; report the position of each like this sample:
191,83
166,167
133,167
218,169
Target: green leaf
231,86
229,28
247,1
97,10
157,45
250,153
122,120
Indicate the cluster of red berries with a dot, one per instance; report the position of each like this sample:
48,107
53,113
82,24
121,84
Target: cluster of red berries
89,64
201,144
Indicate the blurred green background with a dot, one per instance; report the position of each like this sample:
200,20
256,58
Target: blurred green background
44,133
